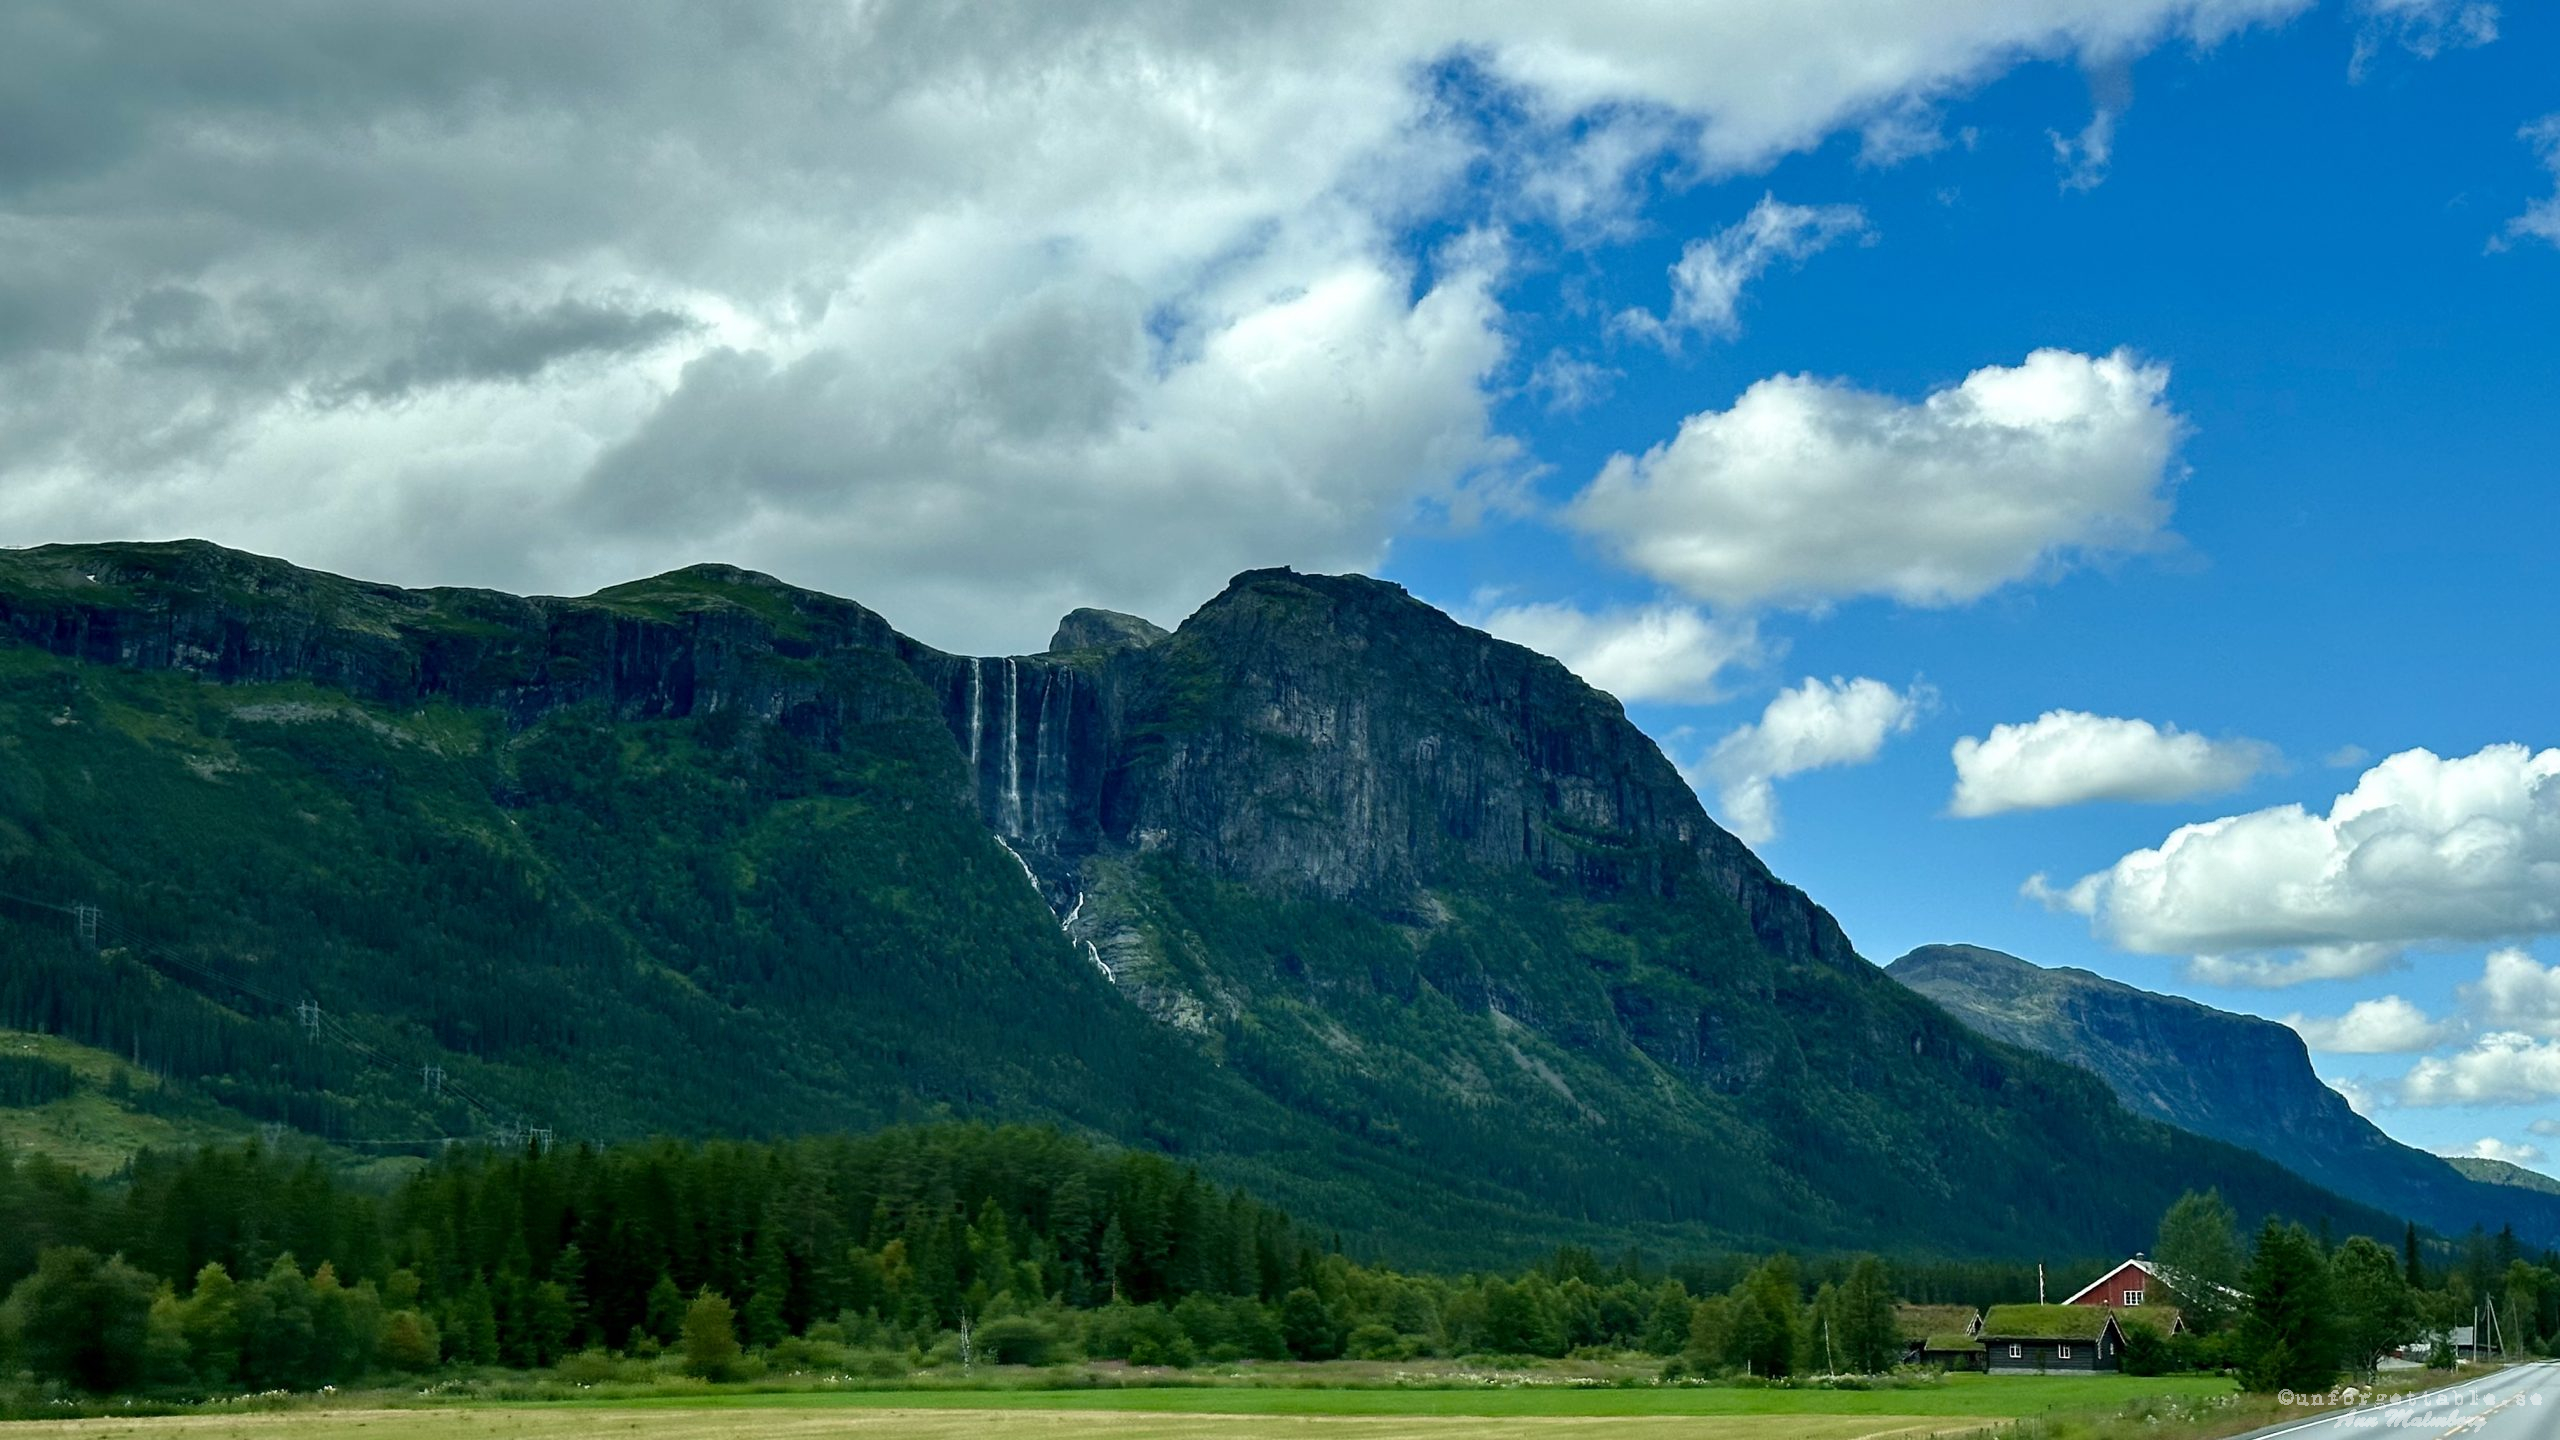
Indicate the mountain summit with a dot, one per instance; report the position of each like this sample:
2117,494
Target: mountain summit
1402,924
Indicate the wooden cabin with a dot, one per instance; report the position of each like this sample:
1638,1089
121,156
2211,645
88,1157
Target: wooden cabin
1940,1335
2050,1339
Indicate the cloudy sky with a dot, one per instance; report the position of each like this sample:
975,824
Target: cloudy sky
2074,476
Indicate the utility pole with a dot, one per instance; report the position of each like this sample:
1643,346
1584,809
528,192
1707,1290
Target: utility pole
308,1012
2039,1282
84,925
431,1080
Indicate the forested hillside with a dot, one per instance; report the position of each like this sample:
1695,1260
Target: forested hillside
1404,927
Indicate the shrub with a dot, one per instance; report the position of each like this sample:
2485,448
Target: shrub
710,1337
1017,1340
1374,1341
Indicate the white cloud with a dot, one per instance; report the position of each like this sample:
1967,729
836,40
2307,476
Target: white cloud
2423,850
1809,490
2492,1148
2070,757
1814,726
969,314
2385,1026
1651,652
2362,1098
2504,1067
2424,28
2514,993
1707,283
2545,1127
2541,219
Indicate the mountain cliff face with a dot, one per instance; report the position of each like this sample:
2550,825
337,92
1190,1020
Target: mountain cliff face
2232,1077
1400,923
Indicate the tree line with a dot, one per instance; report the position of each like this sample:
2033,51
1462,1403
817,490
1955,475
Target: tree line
247,1268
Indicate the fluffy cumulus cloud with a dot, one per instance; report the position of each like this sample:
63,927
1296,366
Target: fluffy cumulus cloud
2424,850
2503,1067
1811,490
2490,1147
2385,1026
1813,726
1648,652
2515,993
2541,219
972,314
1708,281
2070,757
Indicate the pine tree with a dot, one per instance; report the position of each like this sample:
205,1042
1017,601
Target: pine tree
665,1311
768,1302
2288,1339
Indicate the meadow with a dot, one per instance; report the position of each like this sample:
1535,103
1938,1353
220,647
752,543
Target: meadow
1963,1404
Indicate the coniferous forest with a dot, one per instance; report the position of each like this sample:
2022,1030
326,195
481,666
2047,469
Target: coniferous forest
223,1269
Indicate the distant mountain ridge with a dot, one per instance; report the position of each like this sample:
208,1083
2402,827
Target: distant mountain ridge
1404,926
2502,1172
2235,1078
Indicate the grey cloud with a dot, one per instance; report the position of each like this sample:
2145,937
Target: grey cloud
966,310
477,342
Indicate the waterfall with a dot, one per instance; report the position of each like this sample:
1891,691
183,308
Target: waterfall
1012,748
977,722
1040,749
1026,871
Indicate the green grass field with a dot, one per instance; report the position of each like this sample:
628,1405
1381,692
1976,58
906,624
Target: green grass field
1969,1396
1203,1413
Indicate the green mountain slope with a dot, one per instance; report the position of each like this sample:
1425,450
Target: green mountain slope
1403,926
2232,1077
2501,1172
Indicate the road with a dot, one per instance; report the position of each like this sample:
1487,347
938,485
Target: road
2519,1403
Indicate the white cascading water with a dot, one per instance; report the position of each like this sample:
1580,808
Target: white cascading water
1026,871
977,720
1039,753
1066,927
1012,748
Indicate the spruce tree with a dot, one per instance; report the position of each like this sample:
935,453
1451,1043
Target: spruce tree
2288,1337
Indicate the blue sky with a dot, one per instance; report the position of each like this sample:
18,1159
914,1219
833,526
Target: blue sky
2360,556
2154,396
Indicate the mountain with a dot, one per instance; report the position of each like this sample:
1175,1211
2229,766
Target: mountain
1402,925
2235,1078
2501,1172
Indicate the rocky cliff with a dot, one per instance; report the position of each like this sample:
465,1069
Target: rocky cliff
1403,924
2235,1078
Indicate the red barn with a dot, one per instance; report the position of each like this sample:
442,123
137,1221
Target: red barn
2126,1286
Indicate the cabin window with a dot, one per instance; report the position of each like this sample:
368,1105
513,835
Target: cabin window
2061,1352
2017,1351
2133,1297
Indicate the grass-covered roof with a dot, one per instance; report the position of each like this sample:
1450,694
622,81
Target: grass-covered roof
1918,1322
2162,1318
2044,1322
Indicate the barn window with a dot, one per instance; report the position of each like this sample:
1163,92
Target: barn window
2016,1351
2133,1297
2061,1352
